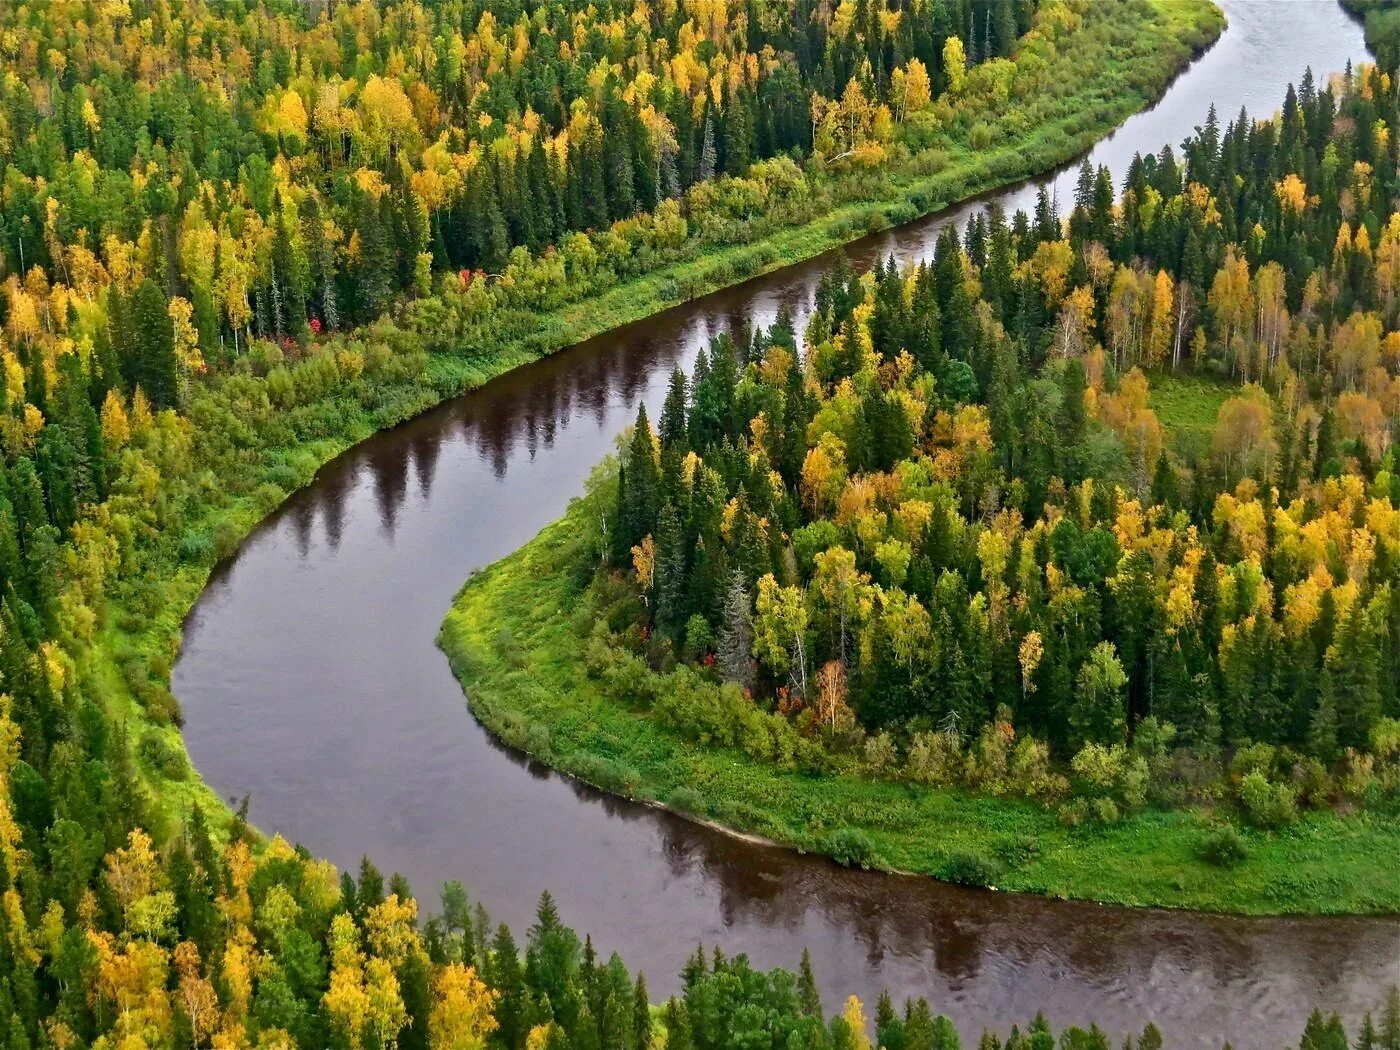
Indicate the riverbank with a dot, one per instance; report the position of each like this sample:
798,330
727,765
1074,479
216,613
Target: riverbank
263,433
516,636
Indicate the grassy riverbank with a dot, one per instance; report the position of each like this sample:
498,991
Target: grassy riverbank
516,637
248,445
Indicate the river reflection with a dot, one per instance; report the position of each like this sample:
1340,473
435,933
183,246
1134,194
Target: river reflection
310,682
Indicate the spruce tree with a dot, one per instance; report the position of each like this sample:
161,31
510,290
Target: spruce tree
152,365
808,997
639,489
735,647
669,587
705,167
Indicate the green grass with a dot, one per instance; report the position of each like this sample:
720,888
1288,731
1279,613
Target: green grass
514,637
1187,406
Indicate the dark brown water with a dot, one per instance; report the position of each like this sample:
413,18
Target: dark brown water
311,682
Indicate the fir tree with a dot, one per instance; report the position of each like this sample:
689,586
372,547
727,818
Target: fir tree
736,634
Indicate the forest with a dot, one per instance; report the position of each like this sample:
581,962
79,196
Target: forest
969,530
237,237
267,175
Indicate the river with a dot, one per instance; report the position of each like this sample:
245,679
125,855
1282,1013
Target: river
310,681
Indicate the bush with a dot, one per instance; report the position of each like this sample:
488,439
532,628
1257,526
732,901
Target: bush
617,777
1074,812
1266,804
934,758
226,537
970,868
1029,773
1223,847
517,731
687,800
1018,850
1105,810
163,756
1311,781
196,547
536,740
880,754
981,135
1113,770
627,679
850,847
1253,758
699,637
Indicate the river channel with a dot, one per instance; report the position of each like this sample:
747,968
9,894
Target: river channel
310,682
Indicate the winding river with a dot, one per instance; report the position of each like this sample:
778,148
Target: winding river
311,682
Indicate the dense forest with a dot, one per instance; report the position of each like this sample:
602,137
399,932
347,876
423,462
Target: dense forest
231,236
951,537
260,172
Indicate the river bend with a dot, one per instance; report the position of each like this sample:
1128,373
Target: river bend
310,681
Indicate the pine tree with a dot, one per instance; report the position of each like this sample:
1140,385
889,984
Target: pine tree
737,130
705,168
669,588
641,1015
376,266
639,490
808,997
736,635
1350,681
889,1028
503,974
672,423
152,365
1322,729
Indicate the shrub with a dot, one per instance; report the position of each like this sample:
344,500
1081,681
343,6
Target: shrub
163,756
161,705
617,777
1223,847
981,135
1385,738
984,765
536,740
1253,758
1113,770
196,547
1358,773
699,637
1074,812
1105,810
1266,804
970,868
687,800
513,728
1029,773
850,847
934,758
627,678
1311,781
880,754
1019,849
225,537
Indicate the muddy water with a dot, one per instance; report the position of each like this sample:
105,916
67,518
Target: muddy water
311,682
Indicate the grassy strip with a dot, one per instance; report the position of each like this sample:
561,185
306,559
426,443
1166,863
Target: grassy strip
143,620
1188,407
517,649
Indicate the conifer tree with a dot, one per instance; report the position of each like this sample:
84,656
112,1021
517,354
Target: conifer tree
736,634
